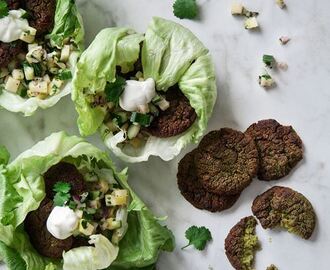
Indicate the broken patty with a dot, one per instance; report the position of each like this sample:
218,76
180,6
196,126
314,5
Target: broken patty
195,193
176,119
241,244
9,51
41,239
226,161
64,172
279,147
286,208
42,15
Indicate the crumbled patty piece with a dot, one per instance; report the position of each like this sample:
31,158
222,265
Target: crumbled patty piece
241,244
46,244
226,161
64,172
279,147
286,208
42,15
195,193
272,267
176,119
9,51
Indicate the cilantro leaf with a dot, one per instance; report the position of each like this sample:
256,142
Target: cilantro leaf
185,9
114,89
62,195
61,198
3,9
198,237
63,187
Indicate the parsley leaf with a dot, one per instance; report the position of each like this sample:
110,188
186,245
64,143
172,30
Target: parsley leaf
62,195
185,9
198,237
3,9
114,89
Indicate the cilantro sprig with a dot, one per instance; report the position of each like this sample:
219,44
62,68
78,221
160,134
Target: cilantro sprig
198,237
62,193
3,9
114,89
185,9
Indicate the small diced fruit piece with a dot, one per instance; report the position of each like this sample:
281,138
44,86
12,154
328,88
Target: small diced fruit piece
4,72
133,131
26,37
236,9
12,84
38,86
281,3
46,78
163,104
104,186
32,46
36,55
251,23
284,40
29,72
65,53
86,228
31,31
112,224
18,74
117,197
266,81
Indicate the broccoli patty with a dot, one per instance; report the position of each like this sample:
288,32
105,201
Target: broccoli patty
195,193
284,207
42,15
64,172
9,51
279,147
176,119
41,239
226,161
241,244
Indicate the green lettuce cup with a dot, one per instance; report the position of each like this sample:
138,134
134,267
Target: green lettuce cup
147,95
39,50
63,205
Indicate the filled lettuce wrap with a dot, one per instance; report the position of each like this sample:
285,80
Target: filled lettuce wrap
64,206
40,42
148,95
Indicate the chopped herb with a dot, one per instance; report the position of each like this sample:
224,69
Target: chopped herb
142,119
37,67
185,9
114,89
4,11
249,14
84,224
64,75
198,237
87,216
26,15
62,195
72,204
269,60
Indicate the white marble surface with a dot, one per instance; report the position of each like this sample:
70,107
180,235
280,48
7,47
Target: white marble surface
301,98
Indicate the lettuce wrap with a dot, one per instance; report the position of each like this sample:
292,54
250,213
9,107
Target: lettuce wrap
28,77
22,188
171,56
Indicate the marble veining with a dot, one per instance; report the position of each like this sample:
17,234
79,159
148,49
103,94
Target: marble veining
301,98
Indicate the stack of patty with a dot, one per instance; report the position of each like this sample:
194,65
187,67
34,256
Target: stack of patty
41,17
213,176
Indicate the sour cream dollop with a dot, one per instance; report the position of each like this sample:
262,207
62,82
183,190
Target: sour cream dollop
12,26
62,221
137,93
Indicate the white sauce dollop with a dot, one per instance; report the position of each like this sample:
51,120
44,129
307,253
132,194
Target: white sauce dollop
137,93
12,26
62,221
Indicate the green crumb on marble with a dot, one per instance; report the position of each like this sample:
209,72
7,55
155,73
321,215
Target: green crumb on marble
272,267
